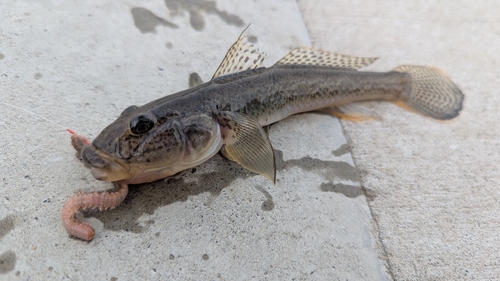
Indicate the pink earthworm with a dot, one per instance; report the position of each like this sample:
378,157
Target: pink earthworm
78,141
84,201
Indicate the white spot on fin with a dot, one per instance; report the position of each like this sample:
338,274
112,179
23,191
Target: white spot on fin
311,56
241,56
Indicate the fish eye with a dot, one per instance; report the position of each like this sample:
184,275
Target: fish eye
141,124
129,110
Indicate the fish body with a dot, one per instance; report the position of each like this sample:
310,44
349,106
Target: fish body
226,114
265,95
272,94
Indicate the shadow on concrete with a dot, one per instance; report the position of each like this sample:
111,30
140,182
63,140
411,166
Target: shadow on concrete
212,176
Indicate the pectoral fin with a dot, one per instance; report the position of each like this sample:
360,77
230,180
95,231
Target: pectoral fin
247,144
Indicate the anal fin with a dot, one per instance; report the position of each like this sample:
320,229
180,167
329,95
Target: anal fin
351,112
247,143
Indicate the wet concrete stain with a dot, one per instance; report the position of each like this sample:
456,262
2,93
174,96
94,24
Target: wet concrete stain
350,191
7,259
252,39
211,176
194,80
267,205
343,149
7,262
327,169
37,75
2,56
332,171
146,21
6,225
195,8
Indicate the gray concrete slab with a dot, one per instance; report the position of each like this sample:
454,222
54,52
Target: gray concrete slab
432,187
79,64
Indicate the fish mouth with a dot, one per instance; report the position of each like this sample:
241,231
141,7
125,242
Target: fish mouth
99,174
103,166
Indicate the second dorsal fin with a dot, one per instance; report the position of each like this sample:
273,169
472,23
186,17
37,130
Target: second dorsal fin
311,56
241,56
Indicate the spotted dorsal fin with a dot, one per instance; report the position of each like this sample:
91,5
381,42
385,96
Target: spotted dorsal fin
241,56
311,56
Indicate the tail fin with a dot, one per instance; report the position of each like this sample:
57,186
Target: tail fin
432,93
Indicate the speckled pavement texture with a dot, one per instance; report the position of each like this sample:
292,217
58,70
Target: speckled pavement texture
421,202
433,188
79,64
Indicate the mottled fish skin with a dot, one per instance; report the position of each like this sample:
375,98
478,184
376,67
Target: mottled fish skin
271,94
265,94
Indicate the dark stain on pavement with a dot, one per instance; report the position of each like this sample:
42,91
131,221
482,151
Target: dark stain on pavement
267,205
7,259
252,39
6,225
146,21
350,191
327,169
343,149
196,8
7,262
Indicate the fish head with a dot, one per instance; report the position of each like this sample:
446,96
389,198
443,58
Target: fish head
143,146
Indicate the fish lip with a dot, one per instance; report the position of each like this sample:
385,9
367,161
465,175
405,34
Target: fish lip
98,174
113,171
104,166
90,156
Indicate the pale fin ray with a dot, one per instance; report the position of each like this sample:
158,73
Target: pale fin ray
247,144
316,57
241,56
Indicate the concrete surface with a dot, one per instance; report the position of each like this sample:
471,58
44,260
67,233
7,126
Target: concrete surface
79,64
433,188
